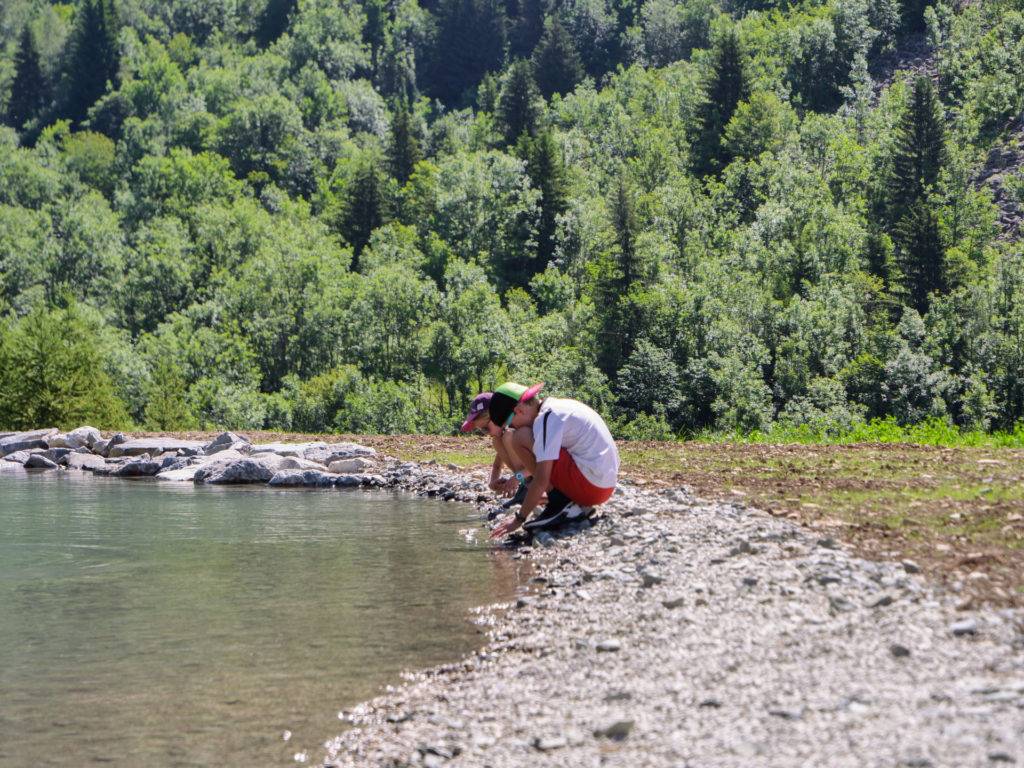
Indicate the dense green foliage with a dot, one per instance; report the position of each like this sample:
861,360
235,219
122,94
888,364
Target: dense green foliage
698,216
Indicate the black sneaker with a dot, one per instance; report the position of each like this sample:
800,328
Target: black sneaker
520,495
553,515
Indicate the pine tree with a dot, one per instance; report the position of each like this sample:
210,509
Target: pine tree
403,150
547,174
921,254
29,89
364,209
727,85
469,42
556,63
94,60
920,152
518,108
620,272
273,21
527,27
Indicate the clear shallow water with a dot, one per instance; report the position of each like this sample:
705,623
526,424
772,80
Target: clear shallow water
145,623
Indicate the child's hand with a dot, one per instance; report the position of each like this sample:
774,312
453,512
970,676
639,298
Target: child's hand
506,527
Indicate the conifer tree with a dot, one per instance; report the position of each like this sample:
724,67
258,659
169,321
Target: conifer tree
557,65
364,209
921,254
29,89
920,153
469,41
527,27
403,150
518,108
94,60
273,21
620,272
547,174
728,84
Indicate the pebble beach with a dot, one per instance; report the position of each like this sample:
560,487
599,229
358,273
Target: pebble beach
675,631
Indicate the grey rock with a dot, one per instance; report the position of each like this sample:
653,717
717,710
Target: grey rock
910,566
294,462
286,478
56,454
348,466
26,441
150,445
965,627
39,461
348,481
609,645
143,468
234,473
674,602
899,651
85,461
617,729
650,577
328,454
549,743
105,447
840,605
19,457
881,602
1001,757
226,441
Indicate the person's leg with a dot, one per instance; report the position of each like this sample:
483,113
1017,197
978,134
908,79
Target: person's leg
502,446
519,444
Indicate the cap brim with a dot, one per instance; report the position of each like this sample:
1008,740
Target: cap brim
528,394
467,425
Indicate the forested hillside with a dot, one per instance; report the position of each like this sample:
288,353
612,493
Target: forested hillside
315,215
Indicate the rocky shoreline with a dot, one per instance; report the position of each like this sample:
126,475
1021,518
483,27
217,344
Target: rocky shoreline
673,631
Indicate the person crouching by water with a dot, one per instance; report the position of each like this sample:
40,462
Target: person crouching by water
567,448
479,418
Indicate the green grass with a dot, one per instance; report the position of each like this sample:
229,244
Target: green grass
932,432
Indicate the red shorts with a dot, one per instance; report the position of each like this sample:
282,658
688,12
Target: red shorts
566,477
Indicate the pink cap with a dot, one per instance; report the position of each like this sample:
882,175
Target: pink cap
480,404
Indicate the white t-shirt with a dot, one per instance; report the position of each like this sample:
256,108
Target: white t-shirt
563,423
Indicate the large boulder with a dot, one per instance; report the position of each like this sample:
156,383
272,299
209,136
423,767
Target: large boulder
294,462
152,446
39,461
285,449
26,441
327,454
83,437
234,472
302,477
227,441
348,466
179,475
85,461
144,467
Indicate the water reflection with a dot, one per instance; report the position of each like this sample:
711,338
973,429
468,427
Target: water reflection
194,626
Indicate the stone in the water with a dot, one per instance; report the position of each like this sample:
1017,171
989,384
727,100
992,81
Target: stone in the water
237,472
150,445
38,461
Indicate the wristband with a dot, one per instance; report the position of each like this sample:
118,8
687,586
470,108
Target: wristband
520,478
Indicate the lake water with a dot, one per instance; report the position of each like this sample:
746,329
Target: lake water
145,623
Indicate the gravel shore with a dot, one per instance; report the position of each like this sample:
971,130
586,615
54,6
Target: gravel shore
681,632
